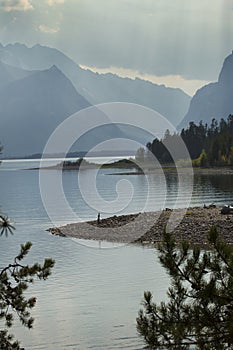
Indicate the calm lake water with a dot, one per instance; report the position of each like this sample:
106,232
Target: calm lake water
93,296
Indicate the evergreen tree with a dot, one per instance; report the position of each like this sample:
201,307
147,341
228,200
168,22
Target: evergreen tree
140,154
194,137
199,311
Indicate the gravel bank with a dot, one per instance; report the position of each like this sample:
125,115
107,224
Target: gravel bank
147,228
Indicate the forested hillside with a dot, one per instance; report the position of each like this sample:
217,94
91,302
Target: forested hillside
208,145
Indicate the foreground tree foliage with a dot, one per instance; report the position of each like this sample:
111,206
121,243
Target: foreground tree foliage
199,310
14,281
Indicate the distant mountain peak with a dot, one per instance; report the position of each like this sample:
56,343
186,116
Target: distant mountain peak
17,44
226,74
37,45
35,105
55,69
214,100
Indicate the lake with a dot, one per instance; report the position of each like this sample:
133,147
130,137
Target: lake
93,296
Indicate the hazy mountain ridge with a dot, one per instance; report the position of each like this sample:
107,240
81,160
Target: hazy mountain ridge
32,107
40,87
101,88
9,73
171,103
214,100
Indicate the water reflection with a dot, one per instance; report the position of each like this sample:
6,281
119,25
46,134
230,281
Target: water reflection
92,298
216,189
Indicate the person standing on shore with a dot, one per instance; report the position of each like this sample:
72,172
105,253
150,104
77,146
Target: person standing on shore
98,218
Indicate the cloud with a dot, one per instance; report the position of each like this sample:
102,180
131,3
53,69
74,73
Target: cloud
159,38
46,29
54,2
15,5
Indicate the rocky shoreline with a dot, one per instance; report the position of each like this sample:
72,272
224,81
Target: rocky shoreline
147,228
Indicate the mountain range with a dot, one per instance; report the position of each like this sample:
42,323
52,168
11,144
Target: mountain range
40,87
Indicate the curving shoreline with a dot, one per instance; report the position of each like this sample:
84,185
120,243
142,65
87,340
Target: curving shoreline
134,228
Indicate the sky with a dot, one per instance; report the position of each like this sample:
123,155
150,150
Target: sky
179,43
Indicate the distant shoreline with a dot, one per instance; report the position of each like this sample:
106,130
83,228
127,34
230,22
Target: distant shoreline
194,227
126,164
83,164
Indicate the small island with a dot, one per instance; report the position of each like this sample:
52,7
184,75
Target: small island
72,165
83,164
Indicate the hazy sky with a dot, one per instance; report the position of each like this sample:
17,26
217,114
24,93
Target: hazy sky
176,42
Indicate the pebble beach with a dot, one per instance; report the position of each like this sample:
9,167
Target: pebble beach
147,228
